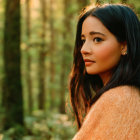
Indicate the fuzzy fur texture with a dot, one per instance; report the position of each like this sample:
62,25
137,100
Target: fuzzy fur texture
114,116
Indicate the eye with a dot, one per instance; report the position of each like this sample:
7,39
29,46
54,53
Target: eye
97,39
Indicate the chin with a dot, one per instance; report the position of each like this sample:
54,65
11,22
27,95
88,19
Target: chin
91,72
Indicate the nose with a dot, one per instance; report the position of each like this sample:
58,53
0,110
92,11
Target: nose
86,48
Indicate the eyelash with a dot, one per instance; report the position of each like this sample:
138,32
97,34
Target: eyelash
96,40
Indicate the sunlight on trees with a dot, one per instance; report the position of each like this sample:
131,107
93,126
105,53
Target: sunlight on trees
36,55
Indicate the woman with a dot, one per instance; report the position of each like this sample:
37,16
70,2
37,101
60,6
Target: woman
105,79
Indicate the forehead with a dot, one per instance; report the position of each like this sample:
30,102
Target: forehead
92,23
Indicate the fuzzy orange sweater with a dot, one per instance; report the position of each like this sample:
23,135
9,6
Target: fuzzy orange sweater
114,116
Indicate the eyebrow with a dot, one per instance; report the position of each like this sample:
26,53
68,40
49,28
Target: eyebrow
93,33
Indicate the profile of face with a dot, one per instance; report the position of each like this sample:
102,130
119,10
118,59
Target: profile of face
101,51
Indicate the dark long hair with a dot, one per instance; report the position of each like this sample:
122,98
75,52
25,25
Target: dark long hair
85,89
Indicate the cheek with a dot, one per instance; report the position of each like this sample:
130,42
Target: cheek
109,54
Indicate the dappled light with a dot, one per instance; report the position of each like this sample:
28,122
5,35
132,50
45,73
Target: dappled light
36,56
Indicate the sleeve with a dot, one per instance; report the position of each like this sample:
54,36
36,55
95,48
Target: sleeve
113,117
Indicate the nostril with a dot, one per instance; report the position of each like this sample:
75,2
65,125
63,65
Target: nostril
84,51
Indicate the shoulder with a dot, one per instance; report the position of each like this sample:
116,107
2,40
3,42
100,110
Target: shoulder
123,91
119,95
115,114
118,98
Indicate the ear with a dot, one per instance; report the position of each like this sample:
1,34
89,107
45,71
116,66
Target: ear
124,48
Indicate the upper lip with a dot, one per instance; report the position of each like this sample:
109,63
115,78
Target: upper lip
88,60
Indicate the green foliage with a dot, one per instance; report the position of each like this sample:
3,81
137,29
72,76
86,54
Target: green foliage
48,124
41,126
14,133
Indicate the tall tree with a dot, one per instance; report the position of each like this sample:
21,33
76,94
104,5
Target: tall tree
67,51
12,88
52,50
42,55
28,34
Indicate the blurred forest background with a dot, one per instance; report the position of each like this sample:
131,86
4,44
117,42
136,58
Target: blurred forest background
36,54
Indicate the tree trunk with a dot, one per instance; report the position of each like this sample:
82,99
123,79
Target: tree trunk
63,84
12,92
52,50
65,59
42,54
28,76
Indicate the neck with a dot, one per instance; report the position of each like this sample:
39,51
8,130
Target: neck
105,77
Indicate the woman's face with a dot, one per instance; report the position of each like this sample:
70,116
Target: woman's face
101,51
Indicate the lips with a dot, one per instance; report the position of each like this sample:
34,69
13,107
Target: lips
88,62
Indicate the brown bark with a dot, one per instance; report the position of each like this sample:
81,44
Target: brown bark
28,76
67,50
29,84
62,85
52,50
12,92
41,97
42,55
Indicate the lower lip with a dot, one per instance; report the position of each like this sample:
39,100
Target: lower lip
89,63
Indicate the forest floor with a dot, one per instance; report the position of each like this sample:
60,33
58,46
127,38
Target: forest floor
44,126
